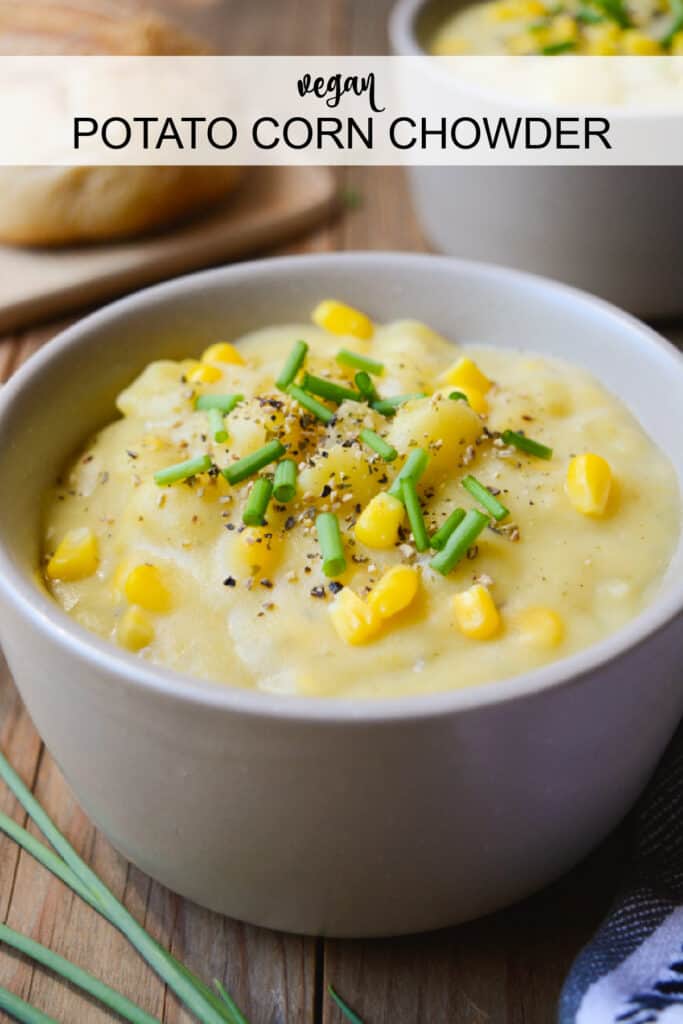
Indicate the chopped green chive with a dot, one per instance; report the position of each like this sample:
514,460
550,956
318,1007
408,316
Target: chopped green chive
459,542
217,426
439,538
458,396
676,25
293,364
255,509
525,444
366,387
554,49
251,464
284,485
328,389
484,497
614,9
388,406
358,362
329,538
588,17
413,467
346,1010
224,403
182,470
379,445
311,404
415,517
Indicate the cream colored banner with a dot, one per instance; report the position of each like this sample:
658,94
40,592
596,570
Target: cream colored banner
345,110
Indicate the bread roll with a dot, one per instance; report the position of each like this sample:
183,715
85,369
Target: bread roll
68,205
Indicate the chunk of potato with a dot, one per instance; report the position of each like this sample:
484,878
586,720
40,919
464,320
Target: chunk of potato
440,425
345,470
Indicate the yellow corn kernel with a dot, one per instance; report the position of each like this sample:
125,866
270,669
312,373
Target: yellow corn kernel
353,619
677,45
255,548
562,29
466,374
394,591
637,44
135,630
203,373
602,40
475,399
515,10
475,613
588,484
144,586
540,627
379,522
338,318
223,352
76,557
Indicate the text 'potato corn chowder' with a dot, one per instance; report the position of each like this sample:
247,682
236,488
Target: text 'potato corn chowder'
352,509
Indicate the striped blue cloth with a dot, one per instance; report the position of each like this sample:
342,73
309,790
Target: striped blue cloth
632,970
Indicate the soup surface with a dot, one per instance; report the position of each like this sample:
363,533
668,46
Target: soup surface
242,521
594,27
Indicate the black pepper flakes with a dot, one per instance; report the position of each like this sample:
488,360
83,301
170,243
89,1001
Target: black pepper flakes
229,581
334,587
318,592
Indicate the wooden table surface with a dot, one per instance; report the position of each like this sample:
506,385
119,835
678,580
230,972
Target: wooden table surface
505,969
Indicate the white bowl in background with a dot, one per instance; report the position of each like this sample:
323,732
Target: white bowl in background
614,231
337,816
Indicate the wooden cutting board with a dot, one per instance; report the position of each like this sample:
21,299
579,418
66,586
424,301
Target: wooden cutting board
273,203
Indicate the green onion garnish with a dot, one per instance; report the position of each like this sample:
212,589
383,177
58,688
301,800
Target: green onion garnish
251,464
388,406
346,1010
553,49
439,538
413,467
525,444
460,541
614,9
588,17
284,485
347,358
255,509
676,25
310,403
379,445
22,1011
294,362
329,538
485,498
415,517
217,426
328,389
224,403
366,387
458,396
182,470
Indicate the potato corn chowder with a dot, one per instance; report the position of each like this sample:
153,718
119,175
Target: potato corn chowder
347,508
589,27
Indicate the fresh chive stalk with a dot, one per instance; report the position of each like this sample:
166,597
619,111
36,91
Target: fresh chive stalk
329,538
555,49
311,404
21,1010
294,362
676,25
251,464
459,542
485,498
379,445
415,517
237,1014
224,403
615,10
217,425
458,396
347,358
413,467
366,387
439,538
328,389
388,406
191,991
76,976
345,1009
182,470
257,503
284,484
525,444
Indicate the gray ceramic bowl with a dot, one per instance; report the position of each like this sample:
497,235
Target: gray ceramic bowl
614,231
335,816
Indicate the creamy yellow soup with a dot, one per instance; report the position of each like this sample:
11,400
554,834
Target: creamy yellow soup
591,27
345,582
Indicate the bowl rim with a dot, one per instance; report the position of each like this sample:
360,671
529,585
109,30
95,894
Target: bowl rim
38,608
404,43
